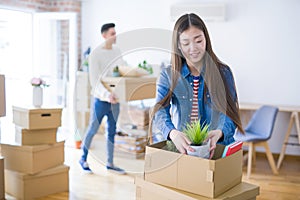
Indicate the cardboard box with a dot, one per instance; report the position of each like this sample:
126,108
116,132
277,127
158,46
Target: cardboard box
2,96
2,190
37,118
148,191
204,177
131,88
24,186
128,155
32,159
36,136
138,116
130,146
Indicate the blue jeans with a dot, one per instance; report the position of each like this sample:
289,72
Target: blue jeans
98,110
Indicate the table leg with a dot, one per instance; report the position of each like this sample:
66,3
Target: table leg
287,135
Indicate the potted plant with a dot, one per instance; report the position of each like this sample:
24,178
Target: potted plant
144,65
197,134
116,72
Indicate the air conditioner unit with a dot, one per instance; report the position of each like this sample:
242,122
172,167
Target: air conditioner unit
207,11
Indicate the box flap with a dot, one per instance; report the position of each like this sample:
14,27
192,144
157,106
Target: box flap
218,152
31,148
20,130
54,170
32,109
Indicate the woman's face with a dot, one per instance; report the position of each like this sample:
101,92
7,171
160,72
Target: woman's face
192,44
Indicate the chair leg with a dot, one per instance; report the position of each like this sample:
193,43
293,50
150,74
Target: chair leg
270,158
254,156
250,151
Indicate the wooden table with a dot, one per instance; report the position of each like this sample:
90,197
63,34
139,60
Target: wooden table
294,119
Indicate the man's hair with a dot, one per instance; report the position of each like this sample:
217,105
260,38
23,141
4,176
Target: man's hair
105,27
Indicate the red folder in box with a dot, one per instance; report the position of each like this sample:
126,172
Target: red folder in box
232,148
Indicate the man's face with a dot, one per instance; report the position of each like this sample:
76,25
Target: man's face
110,35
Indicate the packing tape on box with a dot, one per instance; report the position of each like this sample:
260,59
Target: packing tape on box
209,176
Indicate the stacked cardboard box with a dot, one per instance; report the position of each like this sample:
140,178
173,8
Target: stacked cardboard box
36,160
183,176
147,191
130,146
139,116
133,122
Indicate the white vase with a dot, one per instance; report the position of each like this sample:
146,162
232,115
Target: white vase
200,151
37,96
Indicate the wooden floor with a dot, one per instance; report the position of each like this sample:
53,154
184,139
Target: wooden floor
108,186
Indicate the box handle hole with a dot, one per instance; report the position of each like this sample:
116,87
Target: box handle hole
46,115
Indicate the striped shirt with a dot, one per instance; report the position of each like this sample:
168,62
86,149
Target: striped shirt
195,107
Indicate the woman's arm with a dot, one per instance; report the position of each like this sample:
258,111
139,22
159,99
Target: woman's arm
162,120
226,125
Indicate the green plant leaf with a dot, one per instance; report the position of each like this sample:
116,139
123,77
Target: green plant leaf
196,132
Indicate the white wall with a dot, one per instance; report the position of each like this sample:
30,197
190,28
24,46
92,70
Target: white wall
259,40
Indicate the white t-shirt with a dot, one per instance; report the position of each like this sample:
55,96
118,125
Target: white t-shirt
101,63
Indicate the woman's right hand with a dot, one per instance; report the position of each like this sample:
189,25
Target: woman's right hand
180,140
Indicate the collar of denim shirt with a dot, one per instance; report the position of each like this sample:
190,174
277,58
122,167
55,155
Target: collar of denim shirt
186,72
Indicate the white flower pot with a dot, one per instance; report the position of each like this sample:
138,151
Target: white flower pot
37,96
200,151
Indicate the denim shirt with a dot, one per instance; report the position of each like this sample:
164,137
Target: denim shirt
181,105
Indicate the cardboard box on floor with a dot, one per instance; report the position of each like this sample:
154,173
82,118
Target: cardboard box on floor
2,190
32,159
25,186
147,191
35,137
37,118
2,96
200,176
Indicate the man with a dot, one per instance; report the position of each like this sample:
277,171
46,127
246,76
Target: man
103,102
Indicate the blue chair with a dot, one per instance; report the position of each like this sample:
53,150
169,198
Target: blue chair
257,133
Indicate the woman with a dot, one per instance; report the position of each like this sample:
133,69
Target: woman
197,86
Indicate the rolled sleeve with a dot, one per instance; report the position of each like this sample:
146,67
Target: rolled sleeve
228,129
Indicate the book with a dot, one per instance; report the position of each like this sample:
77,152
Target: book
232,148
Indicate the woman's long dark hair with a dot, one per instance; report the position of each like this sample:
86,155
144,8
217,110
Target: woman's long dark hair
215,81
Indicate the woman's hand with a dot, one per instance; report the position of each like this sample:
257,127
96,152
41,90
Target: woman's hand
214,136
180,140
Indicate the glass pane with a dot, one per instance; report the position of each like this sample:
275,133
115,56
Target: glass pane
51,60
16,63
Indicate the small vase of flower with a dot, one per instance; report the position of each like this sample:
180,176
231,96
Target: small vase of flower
37,92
